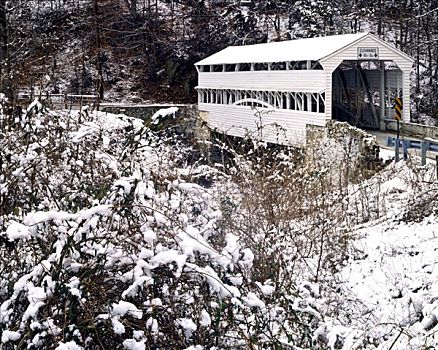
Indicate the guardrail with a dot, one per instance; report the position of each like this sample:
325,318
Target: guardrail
64,100
423,145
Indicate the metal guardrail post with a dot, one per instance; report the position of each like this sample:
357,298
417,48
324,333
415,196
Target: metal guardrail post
397,143
405,145
424,148
389,141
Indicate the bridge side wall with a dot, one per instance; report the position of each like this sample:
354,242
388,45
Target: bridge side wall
285,127
293,80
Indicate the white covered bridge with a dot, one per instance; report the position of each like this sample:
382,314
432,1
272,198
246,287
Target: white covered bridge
274,90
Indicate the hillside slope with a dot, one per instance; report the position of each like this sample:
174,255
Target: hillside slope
115,236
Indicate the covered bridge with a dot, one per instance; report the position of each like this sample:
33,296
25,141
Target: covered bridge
274,90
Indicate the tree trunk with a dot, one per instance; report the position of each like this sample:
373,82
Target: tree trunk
3,47
379,24
132,6
99,85
417,66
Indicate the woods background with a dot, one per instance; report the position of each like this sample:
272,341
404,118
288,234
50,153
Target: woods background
144,50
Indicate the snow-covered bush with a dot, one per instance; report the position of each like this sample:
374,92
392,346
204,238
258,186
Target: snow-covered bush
107,240
104,245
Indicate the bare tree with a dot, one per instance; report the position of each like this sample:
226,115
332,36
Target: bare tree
3,46
132,6
99,85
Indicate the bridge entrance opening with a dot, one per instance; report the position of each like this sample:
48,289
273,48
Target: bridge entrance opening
363,92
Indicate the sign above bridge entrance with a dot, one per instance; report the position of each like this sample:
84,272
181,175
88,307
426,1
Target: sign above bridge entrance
367,53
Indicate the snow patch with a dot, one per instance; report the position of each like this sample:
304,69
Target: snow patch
163,112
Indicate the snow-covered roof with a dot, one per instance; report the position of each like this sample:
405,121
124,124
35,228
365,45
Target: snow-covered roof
312,49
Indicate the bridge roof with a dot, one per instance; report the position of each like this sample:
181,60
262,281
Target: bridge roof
313,49
290,50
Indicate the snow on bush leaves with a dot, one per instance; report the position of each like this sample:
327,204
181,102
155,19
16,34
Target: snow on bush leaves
103,245
106,242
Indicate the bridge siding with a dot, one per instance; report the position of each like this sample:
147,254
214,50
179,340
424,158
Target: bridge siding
297,80
242,121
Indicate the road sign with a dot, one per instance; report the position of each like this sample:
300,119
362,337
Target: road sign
398,107
367,53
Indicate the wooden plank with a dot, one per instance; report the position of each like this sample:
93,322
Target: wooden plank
240,120
303,80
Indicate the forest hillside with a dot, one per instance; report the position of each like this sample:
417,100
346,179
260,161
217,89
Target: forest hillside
144,50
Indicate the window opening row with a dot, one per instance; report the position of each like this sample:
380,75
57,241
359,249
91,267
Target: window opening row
296,101
246,67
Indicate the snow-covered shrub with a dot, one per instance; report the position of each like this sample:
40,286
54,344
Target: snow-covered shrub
107,240
105,243
289,216
348,153
277,202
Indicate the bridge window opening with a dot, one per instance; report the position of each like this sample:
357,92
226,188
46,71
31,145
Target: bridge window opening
201,95
213,96
277,99
316,65
244,67
292,102
278,66
219,97
300,65
285,100
260,66
305,104
314,103
321,102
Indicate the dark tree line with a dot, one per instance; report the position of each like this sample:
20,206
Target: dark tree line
145,49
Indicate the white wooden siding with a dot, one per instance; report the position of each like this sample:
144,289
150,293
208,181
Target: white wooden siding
350,52
279,126
297,80
328,91
406,115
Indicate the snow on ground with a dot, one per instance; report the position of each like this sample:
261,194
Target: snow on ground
386,154
391,277
396,281
109,121
160,237
162,113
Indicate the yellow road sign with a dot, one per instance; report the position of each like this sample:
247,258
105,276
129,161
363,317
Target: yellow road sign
398,106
